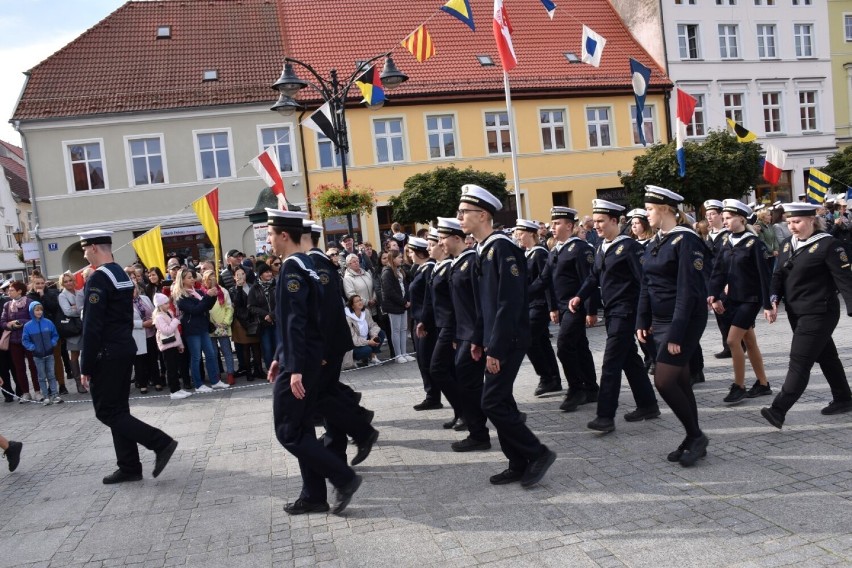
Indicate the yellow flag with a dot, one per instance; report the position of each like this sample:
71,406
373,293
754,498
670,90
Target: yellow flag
149,248
207,209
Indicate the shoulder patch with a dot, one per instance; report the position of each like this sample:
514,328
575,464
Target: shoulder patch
787,247
813,248
843,256
94,298
571,247
514,270
323,278
750,243
293,286
698,263
491,253
620,249
590,258
464,266
676,240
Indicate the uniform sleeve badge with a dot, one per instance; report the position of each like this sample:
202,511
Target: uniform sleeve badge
590,258
750,243
514,270
787,247
677,240
464,266
698,263
620,249
813,248
571,247
323,278
94,298
490,254
843,256
293,286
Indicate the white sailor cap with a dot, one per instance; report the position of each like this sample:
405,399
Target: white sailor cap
96,237
638,212
752,204
433,234
450,226
527,225
286,219
399,237
779,205
829,201
416,243
662,196
307,224
5,283
801,209
689,218
604,207
316,227
560,212
758,207
480,197
737,207
711,204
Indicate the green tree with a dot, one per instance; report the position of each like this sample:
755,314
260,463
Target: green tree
436,193
840,169
719,167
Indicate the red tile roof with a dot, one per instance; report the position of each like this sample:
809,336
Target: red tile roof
16,172
18,151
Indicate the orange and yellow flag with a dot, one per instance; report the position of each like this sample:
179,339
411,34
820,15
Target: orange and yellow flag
207,209
419,43
149,248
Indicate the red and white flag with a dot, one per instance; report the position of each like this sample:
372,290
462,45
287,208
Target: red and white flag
269,169
773,167
503,37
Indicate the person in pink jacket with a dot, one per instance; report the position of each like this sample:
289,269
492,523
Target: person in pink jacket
169,343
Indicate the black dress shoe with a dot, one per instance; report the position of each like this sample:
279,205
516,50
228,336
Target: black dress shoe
301,507
543,388
641,414
428,405
572,400
602,424
343,495
365,448
591,396
163,457
449,425
695,450
652,368
723,354
461,425
62,389
13,454
119,476
773,417
538,467
837,407
506,476
675,455
369,415
523,416
471,445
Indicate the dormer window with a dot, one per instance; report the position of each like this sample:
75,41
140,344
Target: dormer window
164,32
485,60
571,57
210,75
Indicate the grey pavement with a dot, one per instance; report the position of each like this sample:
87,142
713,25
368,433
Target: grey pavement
762,497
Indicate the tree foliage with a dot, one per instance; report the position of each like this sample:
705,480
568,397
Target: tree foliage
719,167
436,193
840,169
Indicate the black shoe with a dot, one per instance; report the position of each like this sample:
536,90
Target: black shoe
343,495
641,414
591,396
698,377
451,424
250,377
318,420
369,415
365,448
572,400
240,373
461,426
602,424
301,507
357,396
428,405
736,394
471,445
837,407
13,454
506,476
652,369
538,467
163,457
773,417
695,450
119,476
62,389
675,455
759,390
723,354
543,388
8,399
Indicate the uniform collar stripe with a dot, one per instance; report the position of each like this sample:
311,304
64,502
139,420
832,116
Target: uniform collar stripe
112,276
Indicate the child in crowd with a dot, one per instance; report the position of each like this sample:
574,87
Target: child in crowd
170,344
40,337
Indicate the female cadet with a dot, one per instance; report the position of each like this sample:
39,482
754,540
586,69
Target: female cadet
672,305
640,230
741,273
418,294
812,266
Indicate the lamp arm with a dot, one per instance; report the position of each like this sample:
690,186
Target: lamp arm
325,87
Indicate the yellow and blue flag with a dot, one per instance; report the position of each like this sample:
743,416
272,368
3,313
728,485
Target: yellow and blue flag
818,184
370,83
461,10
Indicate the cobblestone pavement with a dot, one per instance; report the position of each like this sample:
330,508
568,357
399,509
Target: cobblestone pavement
762,497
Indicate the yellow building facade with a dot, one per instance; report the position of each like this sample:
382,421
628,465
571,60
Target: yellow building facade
840,36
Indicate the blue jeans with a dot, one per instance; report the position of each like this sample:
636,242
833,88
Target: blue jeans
225,347
45,368
365,351
267,344
196,345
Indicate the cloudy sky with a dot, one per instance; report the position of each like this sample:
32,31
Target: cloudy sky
30,31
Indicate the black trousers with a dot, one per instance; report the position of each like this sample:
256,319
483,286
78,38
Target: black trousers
171,358
517,441
442,369
572,349
7,372
470,375
812,343
540,351
620,355
110,390
423,347
338,408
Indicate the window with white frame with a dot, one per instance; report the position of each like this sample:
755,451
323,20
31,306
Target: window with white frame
647,124
688,41
764,2
801,2
697,127
497,133
552,123
87,165
441,134
847,26
29,221
329,157
803,35
808,110
11,243
598,127
146,160
728,45
389,140
281,138
214,155
771,112
733,103
726,2
690,2
766,41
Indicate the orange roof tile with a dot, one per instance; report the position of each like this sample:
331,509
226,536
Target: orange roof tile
15,171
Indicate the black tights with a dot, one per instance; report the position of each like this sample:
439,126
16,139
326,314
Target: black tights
675,386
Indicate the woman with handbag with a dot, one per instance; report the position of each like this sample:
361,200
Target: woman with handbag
169,343
16,313
70,324
244,329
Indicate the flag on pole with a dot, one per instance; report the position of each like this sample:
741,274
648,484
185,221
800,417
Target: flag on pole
550,7
207,209
321,121
592,48
269,169
419,43
685,109
370,83
149,248
818,185
743,135
641,78
503,37
773,167
461,10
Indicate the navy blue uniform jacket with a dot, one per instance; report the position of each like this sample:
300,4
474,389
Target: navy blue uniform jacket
464,287
566,270
338,338
107,317
742,268
298,303
418,290
539,294
618,274
442,297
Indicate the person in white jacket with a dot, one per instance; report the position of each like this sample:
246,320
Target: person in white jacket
357,281
366,334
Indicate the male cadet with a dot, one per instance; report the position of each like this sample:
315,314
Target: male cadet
716,240
504,321
567,267
106,363
468,334
618,273
540,351
296,370
424,345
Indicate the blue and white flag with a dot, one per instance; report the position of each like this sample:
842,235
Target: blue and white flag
593,45
550,7
641,78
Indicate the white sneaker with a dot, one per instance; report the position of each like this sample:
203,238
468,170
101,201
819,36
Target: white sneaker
46,401
180,394
411,359
39,397
203,388
402,359
220,385
57,400
375,361
25,397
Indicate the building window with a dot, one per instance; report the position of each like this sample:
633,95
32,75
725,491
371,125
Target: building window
772,112
687,40
440,131
29,221
214,155
766,41
726,2
497,132
764,2
597,124
146,161
647,124
808,110
281,138
87,166
329,157
388,135
728,48
552,124
10,238
847,25
734,107
680,2
801,2
696,127
803,35
561,198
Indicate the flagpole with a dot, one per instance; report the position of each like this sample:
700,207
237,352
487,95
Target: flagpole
513,137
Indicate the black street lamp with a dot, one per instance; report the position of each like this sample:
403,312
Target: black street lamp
19,238
333,92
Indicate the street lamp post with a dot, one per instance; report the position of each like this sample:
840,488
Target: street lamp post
333,92
19,237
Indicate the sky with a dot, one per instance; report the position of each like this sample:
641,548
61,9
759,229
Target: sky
32,30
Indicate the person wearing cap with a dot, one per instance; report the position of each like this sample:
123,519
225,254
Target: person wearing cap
568,266
739,287
418,292
172,268
504,331
811,268
540,351
296,370
716,239
107,361
617,272
226,276
673,305
347,245
640,230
